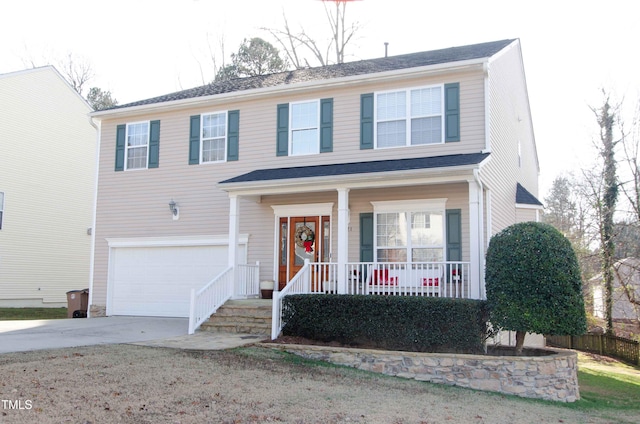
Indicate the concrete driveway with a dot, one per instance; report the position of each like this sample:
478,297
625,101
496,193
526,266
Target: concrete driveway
20,336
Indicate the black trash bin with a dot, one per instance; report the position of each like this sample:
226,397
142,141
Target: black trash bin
77,303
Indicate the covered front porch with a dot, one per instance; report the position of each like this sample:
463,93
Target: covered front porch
414,230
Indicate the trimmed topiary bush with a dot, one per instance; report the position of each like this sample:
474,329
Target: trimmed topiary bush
533,282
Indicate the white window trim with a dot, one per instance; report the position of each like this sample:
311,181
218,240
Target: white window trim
306,209
408,116
317,127
226,136
408,206
126,145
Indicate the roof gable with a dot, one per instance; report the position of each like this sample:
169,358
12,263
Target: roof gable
523,197
362,67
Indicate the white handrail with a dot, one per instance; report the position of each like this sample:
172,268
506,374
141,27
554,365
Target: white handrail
300,283
248,280
208,299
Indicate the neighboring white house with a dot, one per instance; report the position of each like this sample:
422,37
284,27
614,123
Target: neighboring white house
47,182
388,174
626,285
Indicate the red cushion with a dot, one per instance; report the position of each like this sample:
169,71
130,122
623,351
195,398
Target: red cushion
381,276
431,282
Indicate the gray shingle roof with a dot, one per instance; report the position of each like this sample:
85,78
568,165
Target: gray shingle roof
358,168
525,198
433,57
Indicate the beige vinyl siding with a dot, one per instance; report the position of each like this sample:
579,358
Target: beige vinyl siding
526,214
47,171
135,203
510,123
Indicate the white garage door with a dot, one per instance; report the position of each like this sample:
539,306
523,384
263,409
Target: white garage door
157,281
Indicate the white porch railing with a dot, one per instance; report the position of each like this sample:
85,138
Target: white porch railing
208,299
248,280
300,283
442,279
438,279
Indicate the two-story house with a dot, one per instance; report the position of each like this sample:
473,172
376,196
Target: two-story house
47,186
383,175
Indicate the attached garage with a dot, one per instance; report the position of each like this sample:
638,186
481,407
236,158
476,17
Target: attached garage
154,277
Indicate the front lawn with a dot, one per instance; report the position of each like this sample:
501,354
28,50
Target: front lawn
607,385
7,314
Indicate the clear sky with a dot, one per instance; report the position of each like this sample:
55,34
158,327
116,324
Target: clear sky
144,48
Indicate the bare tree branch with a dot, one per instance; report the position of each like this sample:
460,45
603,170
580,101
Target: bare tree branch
78,72
340,37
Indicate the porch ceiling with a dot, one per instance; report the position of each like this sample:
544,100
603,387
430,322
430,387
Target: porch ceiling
371,174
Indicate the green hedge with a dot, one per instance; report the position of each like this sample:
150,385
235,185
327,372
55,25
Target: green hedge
408,323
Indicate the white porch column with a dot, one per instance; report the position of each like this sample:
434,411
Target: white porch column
343,238
234,229
475,226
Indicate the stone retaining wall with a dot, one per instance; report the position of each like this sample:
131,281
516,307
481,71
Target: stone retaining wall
552,377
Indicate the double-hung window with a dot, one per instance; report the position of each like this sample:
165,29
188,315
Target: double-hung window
410,117
305,127
137,145
304,119
214,137
409,231
1,208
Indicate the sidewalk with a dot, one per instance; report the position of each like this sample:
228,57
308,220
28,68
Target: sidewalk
206,340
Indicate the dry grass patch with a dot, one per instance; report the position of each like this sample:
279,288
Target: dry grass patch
134,384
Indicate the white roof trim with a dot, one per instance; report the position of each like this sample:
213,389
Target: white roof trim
528,206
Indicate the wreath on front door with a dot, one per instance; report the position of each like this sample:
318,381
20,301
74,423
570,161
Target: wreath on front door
305,237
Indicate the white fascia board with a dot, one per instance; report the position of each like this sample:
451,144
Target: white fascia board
296,87
528,206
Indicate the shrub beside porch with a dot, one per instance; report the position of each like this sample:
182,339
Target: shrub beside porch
415,328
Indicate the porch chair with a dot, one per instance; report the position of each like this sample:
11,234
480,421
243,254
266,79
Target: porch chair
381,277
432,280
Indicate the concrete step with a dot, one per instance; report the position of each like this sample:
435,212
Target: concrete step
236,328
252,316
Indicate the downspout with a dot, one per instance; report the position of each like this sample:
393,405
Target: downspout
95,208
481,255
487,108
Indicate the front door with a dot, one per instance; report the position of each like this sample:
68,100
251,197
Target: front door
301,238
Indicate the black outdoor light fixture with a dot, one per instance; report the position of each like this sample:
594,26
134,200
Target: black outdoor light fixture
173,207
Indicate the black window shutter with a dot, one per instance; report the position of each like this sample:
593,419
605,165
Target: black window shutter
452,112
194,140
366,237
282,138
326,125
233,132
121,133
154,144
366,121
454,234
366,242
